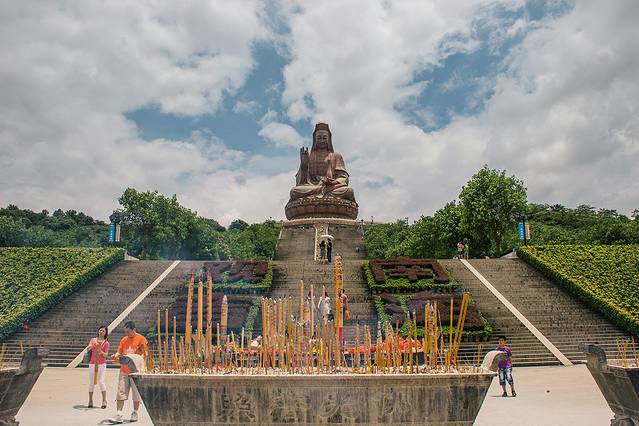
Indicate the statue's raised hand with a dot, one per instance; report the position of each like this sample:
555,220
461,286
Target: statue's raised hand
304,157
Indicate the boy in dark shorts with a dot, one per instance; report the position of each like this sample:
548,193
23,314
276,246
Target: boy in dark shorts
505,368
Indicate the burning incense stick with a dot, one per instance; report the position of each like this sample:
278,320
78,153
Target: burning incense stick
189,312
225,317
200,309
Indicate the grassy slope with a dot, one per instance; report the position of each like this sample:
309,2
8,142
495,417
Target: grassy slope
33,280
605,277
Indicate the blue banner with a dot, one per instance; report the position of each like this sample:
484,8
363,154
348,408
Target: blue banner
112,232
522,230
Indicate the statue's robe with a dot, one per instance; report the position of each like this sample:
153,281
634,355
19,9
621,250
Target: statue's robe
323,164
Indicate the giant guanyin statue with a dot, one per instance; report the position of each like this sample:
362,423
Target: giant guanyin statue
321,183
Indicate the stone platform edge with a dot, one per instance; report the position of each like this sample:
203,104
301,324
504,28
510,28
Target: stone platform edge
314,220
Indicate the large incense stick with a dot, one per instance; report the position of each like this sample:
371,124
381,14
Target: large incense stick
189,312
200,309
225,317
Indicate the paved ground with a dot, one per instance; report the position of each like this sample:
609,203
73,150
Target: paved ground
546,396
60,396
554,396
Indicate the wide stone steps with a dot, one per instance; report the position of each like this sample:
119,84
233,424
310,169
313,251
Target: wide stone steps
294,262
564,320
524,344
67,328
296,243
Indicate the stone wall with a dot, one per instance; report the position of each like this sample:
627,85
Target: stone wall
451,399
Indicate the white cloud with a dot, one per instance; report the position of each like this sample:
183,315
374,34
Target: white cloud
563,116
245,107
280,134
68,72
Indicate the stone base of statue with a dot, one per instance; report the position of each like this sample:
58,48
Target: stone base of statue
321,207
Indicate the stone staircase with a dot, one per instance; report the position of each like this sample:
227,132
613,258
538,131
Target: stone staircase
286,282
294,262
296,243
348,242
562,318
527,349
145,314
66,328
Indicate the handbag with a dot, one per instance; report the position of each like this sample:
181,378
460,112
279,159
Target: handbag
347,314
87,357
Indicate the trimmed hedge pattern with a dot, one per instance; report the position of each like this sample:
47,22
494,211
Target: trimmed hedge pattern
604,277
439,279
249,271
394,309
32,280
238,277
239,307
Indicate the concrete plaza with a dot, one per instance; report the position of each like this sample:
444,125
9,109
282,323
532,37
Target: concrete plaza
546,396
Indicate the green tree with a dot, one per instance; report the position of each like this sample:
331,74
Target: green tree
491,202
264,237
387,240
12,231
436,236
238,224
154,226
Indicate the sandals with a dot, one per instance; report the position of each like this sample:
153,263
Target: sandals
89,405
103,406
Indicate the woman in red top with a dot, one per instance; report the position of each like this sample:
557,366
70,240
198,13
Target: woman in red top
99,348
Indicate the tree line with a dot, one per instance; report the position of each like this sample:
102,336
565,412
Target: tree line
485,217
153,226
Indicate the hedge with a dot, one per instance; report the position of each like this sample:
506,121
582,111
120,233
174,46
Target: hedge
231,271
238,277
403,285
243,287
477,326
32,280
606,278
249,323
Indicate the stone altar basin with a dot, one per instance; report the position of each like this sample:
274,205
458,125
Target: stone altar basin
618,384
372,399
16,384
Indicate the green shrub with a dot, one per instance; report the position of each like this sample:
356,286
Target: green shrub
382,315
32,280
243,287
252,315
604,277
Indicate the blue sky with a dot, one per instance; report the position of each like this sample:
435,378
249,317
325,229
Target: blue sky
211,101
459,85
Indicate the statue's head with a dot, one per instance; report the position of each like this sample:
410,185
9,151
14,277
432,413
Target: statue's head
322,139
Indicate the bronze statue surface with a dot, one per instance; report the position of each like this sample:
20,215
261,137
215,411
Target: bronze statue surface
321,183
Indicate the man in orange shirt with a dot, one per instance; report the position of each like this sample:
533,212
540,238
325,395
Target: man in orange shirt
131,343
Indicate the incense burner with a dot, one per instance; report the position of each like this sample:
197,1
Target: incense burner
619,384
16,383
372,399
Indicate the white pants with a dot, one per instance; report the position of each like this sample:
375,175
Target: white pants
101,371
